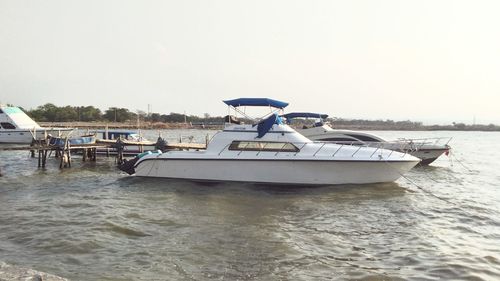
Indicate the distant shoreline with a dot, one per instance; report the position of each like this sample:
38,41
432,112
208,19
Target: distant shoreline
160,125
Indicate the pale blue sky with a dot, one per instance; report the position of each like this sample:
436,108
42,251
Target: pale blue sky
433,61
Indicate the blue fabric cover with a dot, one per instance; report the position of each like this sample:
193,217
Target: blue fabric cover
304,115
256,102
76,141
264,126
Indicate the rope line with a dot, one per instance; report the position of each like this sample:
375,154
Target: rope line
460,162
418,186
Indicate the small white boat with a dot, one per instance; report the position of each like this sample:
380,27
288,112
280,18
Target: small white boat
428,149
16,127
135,142
272,152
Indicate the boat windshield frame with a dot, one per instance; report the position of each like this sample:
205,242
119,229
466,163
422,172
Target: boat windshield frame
264,146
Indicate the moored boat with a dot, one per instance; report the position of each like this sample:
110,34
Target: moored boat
270,151
427,149
16,127
135,142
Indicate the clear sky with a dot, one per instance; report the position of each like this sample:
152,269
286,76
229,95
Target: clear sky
432,61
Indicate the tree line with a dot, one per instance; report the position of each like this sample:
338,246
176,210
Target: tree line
52,113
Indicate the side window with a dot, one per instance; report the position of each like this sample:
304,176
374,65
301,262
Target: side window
339,139
263,146
364,138
7,125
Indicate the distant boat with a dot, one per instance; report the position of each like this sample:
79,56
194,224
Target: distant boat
16,127
136,143
72,141
270,151
428,149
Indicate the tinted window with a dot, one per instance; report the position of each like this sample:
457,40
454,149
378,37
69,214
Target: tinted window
339,139
364,138
263,146
7,125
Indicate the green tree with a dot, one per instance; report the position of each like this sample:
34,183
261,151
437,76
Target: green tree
89,113
118,114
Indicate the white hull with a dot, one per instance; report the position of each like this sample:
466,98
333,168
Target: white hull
272,152
18,128
129,150
16,137
300,172
423,149
20,136
428,155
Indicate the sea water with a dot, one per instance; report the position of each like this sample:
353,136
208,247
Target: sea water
93,222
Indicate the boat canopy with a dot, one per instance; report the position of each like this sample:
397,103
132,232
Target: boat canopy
304,115
256,102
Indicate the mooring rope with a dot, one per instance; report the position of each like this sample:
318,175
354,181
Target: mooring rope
418,186
460,162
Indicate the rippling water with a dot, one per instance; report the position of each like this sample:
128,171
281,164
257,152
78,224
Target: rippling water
92,222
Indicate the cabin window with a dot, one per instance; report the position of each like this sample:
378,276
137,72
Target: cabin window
7,125
263,146
364,138
339,139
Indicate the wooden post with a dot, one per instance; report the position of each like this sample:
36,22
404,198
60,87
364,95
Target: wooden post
94,154
85,154
32,152
90,154
61,162
65,155
69,155
44,157
119,151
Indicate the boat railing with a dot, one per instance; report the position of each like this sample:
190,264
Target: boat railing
403,145
318,147
428,141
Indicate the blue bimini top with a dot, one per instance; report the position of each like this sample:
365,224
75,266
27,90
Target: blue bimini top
304,115
256,102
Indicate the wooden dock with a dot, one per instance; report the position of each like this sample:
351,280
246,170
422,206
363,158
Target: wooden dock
89,151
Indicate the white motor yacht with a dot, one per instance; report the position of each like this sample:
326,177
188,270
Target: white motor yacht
272,152
428,149
16,127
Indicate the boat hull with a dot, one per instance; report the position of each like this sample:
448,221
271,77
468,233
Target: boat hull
20,136
428,155
296,172
16,137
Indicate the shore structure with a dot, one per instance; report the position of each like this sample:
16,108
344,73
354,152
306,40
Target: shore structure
64,148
